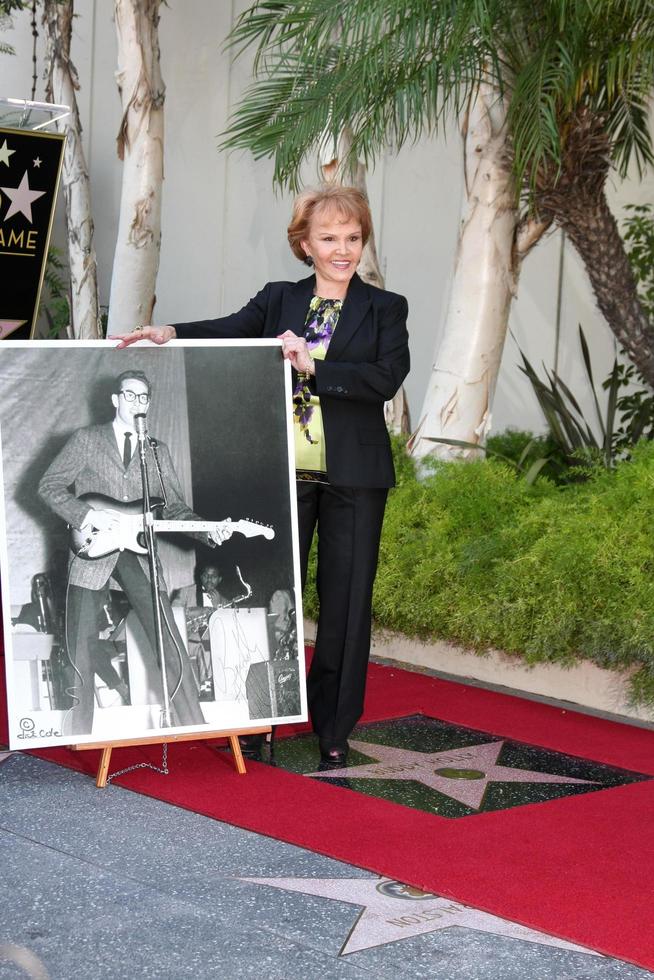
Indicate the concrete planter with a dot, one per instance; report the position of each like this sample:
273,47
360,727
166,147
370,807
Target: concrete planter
584,686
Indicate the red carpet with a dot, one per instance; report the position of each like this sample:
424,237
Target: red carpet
581,868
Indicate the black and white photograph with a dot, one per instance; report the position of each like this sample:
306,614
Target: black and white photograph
149,557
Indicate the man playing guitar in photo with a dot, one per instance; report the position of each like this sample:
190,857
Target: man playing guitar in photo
97,475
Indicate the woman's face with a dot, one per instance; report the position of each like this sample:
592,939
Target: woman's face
335,245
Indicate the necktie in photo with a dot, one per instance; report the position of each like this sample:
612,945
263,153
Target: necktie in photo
127,449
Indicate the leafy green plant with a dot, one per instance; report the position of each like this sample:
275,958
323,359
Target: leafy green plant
551,574
517,444
572,447
54,305
523,465
638,236
6,8
512,443
636,407
571,432
635,410
627,418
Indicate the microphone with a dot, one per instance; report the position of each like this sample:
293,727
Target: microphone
41,598
139,425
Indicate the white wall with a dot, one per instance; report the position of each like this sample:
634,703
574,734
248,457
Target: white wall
224,229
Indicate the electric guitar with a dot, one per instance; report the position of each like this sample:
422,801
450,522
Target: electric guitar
128,533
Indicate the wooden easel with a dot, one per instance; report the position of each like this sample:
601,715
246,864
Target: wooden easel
231,734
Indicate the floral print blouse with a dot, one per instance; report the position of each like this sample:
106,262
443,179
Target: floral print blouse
310,457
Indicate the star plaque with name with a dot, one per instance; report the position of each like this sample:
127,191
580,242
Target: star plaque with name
391,911
445,769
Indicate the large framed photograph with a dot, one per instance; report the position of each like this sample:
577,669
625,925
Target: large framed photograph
149,555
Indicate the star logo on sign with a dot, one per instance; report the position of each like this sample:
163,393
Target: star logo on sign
21,198
392,911
37,163
462,774
5,153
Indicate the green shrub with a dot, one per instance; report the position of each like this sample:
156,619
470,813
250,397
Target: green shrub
524,448
474,555
513,442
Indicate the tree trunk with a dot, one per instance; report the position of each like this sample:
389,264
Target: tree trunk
593,231
333,169
61,87
573,194
460,392
140,146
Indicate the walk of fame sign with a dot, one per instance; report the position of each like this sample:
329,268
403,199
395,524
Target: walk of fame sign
30,166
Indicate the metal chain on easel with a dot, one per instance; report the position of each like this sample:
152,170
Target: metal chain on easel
164,771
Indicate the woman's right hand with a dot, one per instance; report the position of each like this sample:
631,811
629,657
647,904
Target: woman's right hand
158,335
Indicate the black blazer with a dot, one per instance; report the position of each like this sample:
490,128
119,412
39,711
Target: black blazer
367,361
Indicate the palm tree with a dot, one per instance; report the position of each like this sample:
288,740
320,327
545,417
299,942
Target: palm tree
550,95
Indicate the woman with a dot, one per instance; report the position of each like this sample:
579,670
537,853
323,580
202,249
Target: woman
348,344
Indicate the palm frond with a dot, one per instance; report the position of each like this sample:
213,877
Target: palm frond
614,384
387,70
534,112
628,126
7,6
391,70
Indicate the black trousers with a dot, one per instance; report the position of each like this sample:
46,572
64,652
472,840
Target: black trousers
82,611
349,522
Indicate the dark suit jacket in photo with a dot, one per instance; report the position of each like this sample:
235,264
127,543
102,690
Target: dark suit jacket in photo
91,463
367,361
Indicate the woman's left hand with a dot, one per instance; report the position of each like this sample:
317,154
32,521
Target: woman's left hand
295,350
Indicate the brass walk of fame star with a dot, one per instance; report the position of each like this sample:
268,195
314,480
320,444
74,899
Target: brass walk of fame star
4,755
21,198
393,911
463,774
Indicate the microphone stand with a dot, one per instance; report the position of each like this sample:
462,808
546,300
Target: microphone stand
151,545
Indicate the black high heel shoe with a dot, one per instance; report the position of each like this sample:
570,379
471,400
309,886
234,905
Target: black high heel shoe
333,755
